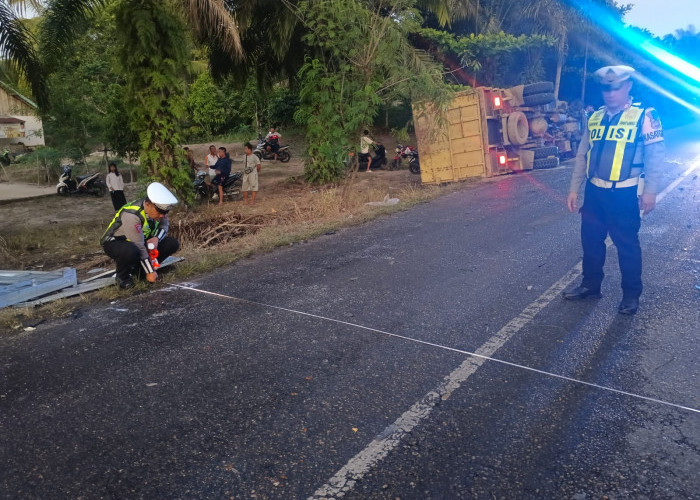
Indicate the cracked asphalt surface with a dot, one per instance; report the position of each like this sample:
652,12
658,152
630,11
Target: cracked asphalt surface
179,394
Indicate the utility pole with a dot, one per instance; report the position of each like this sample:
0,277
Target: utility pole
585,71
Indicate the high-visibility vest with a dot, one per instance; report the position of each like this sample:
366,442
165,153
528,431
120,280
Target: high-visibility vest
613,142
135,208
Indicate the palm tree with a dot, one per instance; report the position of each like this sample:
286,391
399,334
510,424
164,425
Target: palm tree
554,18
17,46
210,22
154,55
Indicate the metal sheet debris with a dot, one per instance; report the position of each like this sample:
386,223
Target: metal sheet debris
33,288
19,286
70,292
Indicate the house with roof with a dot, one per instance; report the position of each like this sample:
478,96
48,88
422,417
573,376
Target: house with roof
20,124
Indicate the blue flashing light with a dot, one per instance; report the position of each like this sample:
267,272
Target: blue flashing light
671,60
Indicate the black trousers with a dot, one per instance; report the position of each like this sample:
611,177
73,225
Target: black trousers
614,212
118,199
128,258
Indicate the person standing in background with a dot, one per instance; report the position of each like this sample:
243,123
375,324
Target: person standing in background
190,159
251,167
222,169
365,143
115,183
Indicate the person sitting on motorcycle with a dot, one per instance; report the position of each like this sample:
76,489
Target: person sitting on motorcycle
365,143
134,227
273,141
223,170
210,160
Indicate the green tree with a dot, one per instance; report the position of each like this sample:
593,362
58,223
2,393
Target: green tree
485,53
118,133
205,102
154,57
360,58
561,20
80,104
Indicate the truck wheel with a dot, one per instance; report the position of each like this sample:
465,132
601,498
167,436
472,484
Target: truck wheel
546,152
538,99
518,129
538,88
546,163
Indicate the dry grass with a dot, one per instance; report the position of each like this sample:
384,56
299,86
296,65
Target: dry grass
214,236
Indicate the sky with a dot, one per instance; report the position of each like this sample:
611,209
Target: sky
662,17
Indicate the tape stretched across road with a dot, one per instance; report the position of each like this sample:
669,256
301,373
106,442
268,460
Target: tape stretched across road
344,480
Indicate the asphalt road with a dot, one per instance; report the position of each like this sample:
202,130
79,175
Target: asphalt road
185,394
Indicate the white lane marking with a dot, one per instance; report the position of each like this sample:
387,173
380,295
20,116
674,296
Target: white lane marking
345,479
693,166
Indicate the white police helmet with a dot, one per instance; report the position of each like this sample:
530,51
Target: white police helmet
614,75
160,196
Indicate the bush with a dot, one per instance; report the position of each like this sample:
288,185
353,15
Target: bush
46,162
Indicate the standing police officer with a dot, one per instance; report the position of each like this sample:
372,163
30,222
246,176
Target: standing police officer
136,225
623,140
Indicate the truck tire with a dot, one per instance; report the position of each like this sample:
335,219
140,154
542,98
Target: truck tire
546,152
538,99
538,126
518,129
546,163
538,88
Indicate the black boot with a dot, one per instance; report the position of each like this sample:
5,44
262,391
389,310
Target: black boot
628,305
125,283
582,292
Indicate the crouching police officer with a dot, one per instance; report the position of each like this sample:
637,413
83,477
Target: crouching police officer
624,140
135,226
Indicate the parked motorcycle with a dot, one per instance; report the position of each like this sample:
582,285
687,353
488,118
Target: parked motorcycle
83,184
232,186
406,152
283,153
378,160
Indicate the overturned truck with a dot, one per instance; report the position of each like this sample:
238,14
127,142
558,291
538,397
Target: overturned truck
490,131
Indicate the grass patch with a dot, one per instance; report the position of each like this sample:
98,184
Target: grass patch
66,244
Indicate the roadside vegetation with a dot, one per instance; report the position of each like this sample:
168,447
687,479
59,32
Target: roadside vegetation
211,236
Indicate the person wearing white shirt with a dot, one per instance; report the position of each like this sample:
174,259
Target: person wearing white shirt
115,184
365,143
210,160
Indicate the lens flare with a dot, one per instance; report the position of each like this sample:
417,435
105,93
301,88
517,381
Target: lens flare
686,74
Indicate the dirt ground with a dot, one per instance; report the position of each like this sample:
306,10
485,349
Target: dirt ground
52,232
18,191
